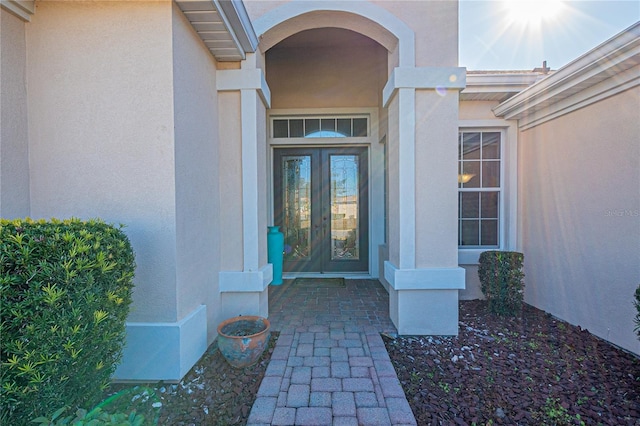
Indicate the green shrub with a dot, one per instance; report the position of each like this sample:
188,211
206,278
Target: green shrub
65,292
95,417
637,319
501,280
122,409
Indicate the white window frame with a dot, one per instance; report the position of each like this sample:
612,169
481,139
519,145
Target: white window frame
507,220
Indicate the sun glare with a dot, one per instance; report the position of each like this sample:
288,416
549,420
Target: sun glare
532,12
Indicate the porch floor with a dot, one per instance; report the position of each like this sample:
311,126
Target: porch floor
330,366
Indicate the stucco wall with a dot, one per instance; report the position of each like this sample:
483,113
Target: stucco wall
197,185
472,288
14,150
436,172
231,252
101,130
477,110
329,76
580,210
435,24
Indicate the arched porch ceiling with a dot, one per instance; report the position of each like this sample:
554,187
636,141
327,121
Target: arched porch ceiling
326,68
367,19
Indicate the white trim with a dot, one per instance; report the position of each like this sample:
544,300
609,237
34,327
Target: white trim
610,87
453,78
319,142
376,180
230,29
23,9
250,83
231,80
163,350
508,222
376,14
611,60
245,281
425,278
502,82
510,174
240,23
496,123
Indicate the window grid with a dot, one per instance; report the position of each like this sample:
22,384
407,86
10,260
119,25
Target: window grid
320,127
479,182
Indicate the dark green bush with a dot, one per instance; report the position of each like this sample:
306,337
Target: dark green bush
637,319
122,409
65,294
501,280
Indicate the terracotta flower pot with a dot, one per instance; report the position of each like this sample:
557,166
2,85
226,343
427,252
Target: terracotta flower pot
242,339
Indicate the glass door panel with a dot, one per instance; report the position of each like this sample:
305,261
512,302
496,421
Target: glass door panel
345,202
344,207
321,205
296,193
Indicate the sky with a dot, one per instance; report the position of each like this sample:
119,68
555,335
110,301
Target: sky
494,37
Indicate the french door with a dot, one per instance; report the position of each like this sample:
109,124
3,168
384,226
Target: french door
321,205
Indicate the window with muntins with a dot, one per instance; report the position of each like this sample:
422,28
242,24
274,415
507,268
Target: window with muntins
320,127
479,189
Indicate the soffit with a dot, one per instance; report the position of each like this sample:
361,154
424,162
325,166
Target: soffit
223,27
497,85
21,8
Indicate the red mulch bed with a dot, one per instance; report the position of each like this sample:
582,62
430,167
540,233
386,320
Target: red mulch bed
530,370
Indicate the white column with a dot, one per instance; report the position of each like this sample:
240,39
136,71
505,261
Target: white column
250,205
421,300
245,292
407,179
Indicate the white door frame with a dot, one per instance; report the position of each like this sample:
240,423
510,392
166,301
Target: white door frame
376,176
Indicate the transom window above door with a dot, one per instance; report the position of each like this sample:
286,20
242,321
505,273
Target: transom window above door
320,127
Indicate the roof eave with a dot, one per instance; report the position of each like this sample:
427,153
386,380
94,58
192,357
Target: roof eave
223,25
241,23
23,9
498,86
612,57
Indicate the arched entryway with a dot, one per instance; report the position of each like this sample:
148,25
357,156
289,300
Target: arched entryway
312,54
327,160
329,63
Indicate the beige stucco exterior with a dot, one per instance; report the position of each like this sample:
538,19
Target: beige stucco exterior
197,150
101,139
123,111
131,136
390,60
14,147
307,77
580,216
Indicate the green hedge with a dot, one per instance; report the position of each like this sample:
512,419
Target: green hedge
65,294
501,280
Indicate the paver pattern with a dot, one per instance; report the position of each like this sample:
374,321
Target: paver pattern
330,366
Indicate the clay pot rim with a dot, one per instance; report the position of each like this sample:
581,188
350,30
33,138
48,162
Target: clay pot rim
226,322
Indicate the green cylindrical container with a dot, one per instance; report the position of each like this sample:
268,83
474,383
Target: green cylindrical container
275,247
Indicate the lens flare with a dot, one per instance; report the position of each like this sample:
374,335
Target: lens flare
528,12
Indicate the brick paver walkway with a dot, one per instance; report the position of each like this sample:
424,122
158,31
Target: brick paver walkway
330,366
